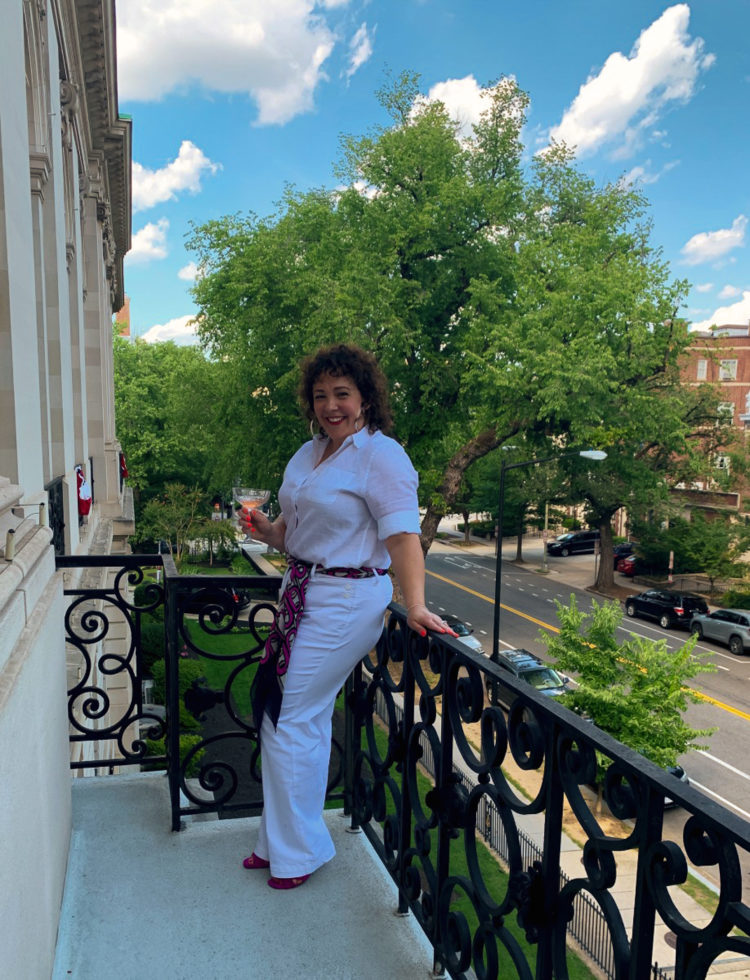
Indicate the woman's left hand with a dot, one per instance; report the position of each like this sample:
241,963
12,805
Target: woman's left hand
420,619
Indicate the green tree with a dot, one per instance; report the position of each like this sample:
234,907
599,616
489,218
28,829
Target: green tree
636,690
166,403
713,546
502,304
177,516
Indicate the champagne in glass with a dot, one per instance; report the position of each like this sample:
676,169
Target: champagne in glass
249,499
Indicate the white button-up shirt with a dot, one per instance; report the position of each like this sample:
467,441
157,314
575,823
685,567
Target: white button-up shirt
340,512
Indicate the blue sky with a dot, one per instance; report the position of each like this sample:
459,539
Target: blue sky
232,100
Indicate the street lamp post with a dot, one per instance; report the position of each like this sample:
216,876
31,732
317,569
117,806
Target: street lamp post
596,454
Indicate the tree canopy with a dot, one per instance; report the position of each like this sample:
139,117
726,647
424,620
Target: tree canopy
166,404
636,690
504,302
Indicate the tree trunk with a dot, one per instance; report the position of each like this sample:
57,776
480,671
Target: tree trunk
446,492
467,529
605,575
519,538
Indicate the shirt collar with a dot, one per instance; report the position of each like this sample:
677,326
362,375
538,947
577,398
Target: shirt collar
358,440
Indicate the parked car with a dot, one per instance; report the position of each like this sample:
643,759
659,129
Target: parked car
623,550
679,773
465,633
529,668
220,598
628,566
728,626
574,543
666,607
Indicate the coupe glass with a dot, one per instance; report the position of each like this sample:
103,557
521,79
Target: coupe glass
248,499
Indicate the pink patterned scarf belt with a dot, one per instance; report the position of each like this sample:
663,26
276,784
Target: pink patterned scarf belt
292,605
266,690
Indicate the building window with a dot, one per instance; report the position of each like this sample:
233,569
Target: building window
56,511
702,373
725,413
727,370
721,463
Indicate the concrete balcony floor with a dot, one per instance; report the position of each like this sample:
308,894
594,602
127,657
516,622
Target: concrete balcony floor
141,901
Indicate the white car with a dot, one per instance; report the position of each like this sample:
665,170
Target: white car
465,633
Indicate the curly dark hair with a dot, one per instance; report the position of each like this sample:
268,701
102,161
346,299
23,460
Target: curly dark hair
346,360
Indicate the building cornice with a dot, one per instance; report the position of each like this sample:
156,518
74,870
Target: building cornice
90,74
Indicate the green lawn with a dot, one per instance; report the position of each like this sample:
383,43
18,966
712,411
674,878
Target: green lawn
217,672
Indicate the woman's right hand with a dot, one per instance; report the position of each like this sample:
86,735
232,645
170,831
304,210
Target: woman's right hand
259,527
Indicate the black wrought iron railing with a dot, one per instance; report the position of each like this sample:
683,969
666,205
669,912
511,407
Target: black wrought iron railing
419,763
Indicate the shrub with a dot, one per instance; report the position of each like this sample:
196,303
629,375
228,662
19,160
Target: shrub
156,746
152,643
190,670
736,599
141,598
481,529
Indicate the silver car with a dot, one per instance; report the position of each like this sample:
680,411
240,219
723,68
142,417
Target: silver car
465,633
728,626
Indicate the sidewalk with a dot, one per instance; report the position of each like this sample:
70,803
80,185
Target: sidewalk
580,575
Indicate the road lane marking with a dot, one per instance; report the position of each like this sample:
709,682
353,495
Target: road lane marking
464,563
721,799
726,765
491,600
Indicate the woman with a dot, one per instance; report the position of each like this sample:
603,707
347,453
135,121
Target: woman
348,510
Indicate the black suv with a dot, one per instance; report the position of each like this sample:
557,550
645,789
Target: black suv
666,607
574,543
528,668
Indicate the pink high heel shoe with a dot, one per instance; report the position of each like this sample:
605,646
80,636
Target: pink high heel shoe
254,862
283,884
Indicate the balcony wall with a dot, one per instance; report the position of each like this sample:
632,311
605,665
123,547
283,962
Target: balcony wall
35,817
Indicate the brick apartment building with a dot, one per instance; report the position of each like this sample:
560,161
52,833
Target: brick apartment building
722,356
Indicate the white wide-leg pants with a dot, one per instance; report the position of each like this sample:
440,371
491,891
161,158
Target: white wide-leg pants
342,622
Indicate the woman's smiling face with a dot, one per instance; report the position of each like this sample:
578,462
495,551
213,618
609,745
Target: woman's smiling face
337,404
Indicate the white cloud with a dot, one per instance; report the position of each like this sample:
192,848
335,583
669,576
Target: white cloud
360,49
181,330
707,246
729,292
704,287
273,52
644,175
627,96
464,100
738,314
150,242
188,272
152,187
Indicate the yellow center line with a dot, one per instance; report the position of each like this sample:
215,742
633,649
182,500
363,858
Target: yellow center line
491,600
554,629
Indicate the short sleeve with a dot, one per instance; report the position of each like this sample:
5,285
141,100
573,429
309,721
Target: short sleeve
391,490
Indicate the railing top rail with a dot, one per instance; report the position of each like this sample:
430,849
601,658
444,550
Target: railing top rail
108,561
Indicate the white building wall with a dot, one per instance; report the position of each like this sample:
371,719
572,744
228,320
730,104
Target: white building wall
64,230
35,812
21,450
